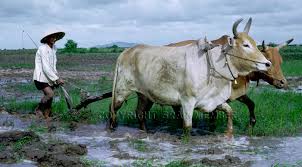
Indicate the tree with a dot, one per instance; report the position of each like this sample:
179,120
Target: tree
70,45
114,48
272,44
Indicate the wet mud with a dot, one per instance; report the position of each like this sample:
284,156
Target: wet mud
17,145
129,146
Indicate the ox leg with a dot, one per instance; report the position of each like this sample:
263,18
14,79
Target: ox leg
229,112
213,118
143,106
115,106
176,110
187,114
251,106
178,117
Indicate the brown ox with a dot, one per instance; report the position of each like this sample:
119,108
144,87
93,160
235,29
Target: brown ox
274,76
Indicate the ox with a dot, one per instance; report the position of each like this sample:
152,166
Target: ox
195,76
274,76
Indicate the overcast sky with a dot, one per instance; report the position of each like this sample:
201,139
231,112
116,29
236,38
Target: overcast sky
156,22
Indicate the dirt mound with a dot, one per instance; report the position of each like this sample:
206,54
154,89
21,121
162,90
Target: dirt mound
16,145
227,161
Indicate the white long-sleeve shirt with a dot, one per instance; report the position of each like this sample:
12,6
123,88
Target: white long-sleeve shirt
45,65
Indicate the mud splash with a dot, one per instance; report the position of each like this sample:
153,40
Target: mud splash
129,146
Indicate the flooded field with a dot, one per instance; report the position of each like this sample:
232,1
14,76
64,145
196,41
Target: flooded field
161,146
129,147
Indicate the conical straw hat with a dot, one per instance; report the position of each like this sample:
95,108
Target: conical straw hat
58,34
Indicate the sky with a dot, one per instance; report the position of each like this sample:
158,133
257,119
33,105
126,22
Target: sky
154,22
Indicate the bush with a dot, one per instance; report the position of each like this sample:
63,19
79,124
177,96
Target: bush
70,46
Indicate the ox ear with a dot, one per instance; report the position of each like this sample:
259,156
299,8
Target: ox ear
285,43
205,45
200,42
231,41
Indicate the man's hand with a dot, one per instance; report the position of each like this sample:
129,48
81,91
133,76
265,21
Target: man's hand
60,81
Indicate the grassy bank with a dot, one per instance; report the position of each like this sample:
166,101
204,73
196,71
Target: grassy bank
292,67
277,113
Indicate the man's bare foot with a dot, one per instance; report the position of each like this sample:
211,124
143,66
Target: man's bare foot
47,114
39,114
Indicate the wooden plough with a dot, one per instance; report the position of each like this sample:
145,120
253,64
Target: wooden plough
84,101
91,99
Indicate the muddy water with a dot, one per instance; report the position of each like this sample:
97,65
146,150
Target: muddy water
127,146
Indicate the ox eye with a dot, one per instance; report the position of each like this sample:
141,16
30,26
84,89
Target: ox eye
246,45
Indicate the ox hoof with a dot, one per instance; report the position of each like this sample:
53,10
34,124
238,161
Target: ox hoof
229,135
187,132
252,122
143,128
212,127
111,126
110,129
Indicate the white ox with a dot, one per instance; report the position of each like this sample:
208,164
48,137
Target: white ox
195,76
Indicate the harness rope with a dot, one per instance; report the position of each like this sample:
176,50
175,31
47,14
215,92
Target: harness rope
212,69
243,58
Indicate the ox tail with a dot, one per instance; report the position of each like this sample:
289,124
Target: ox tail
114,84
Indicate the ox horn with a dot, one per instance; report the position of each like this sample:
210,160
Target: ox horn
248,25
264,47
235,25
285,43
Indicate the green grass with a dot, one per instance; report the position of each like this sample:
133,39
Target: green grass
277,113
139,145
20,107
22,87
291,52
179,163
38,128
144,163
18,145
92,163
2,147
296,164
174,163
292,68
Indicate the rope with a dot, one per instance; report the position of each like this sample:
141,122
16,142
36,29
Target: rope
244,58
212,69
228,65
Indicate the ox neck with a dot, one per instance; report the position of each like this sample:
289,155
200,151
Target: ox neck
222,67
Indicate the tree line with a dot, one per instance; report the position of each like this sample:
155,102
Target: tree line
72,47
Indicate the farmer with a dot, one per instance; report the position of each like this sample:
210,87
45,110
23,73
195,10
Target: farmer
45,74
